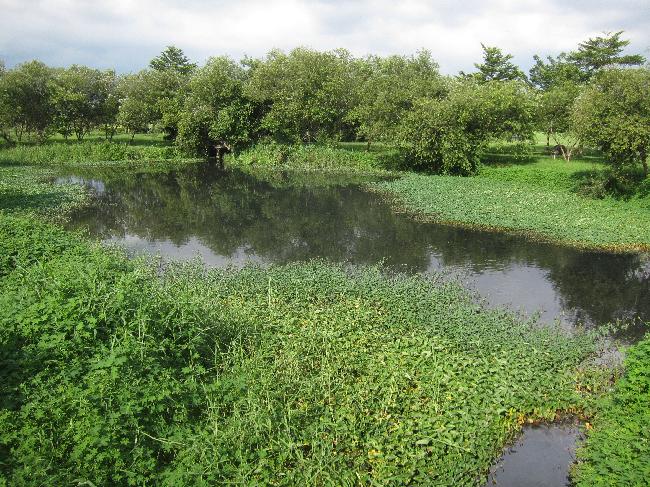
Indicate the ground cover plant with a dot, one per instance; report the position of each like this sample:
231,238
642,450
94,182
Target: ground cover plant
617,451
87,152
122,372
540,198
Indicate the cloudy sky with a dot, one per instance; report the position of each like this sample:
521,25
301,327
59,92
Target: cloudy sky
126,34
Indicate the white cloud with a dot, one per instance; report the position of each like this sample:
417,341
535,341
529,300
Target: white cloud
126,34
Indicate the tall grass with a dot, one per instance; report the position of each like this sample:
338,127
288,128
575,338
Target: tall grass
88,152
306,157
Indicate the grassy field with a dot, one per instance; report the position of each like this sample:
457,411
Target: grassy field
540,198
118,372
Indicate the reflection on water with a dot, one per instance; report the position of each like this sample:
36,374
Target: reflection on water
230,218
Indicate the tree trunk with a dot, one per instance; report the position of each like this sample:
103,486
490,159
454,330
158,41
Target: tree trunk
132,137
368,147
644,161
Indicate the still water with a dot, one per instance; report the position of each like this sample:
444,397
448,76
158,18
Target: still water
231,218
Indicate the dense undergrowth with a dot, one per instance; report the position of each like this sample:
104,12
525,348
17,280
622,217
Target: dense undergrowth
118,372
302,374
87,152
310,157
617,451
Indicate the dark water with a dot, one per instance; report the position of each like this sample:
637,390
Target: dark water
540,457
230,218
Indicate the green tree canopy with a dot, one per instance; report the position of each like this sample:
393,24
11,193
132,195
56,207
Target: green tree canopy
497,66
388,87
215,108
554,71
614,114
604,51
172,59
138,110
449,135
309,93
80,97
27,93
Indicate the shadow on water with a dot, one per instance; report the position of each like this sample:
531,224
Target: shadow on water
231,218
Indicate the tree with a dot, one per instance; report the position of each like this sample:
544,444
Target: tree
497,66
215,110
6,112
309,93
80,96
450,134
555,71
387,88
137,104
554,114
614,114
172,59
27,93
601,52
110,108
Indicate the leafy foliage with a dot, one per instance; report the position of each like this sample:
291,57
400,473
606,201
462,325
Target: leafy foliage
388,88
617,449
450,134
614,115
216,109
308,93
602,52
299,374
497,66
172,59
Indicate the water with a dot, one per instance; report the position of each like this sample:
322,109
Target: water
231,218
540,457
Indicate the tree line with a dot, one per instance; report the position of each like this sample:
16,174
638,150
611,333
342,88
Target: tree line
594,95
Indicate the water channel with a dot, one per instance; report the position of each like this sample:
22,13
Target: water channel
230,218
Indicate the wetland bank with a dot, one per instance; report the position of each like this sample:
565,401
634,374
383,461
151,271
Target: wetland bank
386,279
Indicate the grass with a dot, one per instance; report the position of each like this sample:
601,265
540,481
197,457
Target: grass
617,451
311,157
121,372
538,199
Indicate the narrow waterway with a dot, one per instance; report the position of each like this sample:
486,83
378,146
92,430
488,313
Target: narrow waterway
230,218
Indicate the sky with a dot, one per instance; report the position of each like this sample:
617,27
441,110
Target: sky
126,34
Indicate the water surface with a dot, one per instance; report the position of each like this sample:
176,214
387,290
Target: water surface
231,218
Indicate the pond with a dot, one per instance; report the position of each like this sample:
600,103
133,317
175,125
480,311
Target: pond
231,218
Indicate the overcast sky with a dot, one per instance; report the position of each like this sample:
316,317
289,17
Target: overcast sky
126,34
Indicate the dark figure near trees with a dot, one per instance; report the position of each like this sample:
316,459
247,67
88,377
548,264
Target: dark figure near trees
218,150
559,150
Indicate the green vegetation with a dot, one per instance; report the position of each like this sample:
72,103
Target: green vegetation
114,371
537,199
438,123
617,450
309,157
119,372
298,374
86,152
